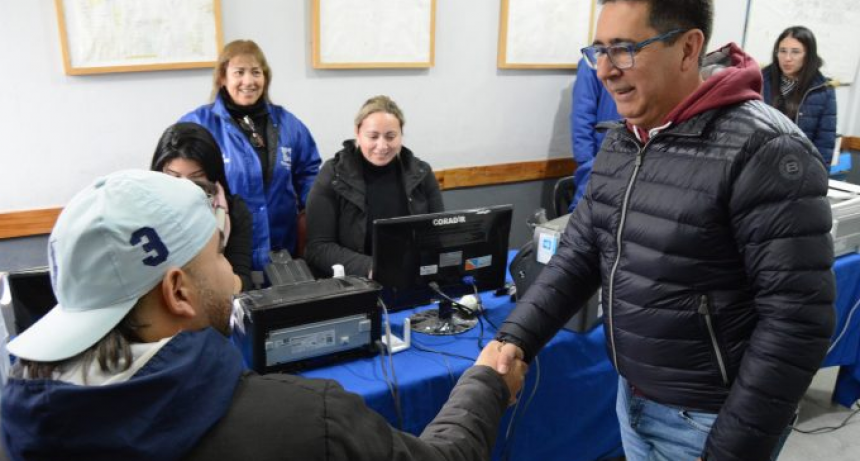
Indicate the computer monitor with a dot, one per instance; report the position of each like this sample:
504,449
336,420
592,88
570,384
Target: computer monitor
452,251
32,296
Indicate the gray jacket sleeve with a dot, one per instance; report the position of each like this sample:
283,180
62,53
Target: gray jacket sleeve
465,428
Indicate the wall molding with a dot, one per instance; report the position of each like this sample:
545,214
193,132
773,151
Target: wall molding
504,173
850,143
29,222
40,222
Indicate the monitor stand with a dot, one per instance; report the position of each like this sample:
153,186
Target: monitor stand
442,321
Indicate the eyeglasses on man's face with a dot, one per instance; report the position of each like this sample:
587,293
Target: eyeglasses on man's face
621,55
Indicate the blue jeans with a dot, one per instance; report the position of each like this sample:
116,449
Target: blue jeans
654,432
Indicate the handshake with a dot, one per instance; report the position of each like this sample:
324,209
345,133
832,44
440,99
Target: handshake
507,360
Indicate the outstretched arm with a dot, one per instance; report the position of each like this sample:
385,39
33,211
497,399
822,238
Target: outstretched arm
465,428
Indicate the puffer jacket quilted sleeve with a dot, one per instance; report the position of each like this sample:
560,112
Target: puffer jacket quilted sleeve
781,221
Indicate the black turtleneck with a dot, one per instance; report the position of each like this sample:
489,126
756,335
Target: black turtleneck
259,115
385,195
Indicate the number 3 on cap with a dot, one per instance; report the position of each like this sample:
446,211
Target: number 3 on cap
151,244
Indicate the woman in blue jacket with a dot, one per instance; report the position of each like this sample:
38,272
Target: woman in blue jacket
794,85
270,157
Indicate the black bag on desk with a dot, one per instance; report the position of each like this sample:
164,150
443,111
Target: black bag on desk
525,269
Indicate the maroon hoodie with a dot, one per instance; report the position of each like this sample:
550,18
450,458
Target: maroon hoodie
731,76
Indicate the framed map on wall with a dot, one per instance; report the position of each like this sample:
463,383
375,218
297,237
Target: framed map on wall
544,34
102,36
356,34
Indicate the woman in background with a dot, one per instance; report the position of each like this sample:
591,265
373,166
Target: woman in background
794,85
187,150
270,157
372,177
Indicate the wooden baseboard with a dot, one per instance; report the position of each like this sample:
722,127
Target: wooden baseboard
40,222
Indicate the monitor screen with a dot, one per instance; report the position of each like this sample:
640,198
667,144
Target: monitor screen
32,296
409,252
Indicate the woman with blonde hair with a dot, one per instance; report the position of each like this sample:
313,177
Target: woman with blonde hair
270,157
373,177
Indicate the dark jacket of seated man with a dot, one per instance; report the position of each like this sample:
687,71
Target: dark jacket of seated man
135,364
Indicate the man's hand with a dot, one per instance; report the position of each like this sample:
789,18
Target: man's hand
507,360
502,355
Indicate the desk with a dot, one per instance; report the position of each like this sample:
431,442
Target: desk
846,354
571,417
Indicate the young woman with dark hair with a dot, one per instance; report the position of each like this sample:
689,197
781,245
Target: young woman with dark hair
794,85
188,150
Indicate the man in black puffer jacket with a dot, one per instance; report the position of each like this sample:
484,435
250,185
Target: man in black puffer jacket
706,225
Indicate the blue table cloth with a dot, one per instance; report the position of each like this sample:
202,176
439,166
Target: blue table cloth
571,416
846,353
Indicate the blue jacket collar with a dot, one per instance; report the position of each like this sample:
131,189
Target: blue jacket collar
160,413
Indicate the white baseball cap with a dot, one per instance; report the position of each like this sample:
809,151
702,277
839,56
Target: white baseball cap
111,245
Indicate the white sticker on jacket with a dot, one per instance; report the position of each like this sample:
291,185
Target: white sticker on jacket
287,157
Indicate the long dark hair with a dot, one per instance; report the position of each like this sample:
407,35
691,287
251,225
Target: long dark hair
811,65
193,142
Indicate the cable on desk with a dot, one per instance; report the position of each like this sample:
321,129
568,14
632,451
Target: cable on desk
829,429
844,327
395,387
395,395
512,424
444,358
448,354
480,312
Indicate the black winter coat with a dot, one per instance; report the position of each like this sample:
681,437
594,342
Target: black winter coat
337,209
284,417
711,244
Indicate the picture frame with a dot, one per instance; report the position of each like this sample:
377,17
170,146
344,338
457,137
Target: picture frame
373,34
135,36
544,34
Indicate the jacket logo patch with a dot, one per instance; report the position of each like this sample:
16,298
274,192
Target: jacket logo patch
790,167
287,157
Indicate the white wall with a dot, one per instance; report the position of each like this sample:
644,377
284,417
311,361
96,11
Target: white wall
59,132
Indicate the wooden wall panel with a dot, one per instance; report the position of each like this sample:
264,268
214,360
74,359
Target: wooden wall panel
40,222
30,222
850,143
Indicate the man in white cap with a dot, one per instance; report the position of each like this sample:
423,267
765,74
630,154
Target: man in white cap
134,362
